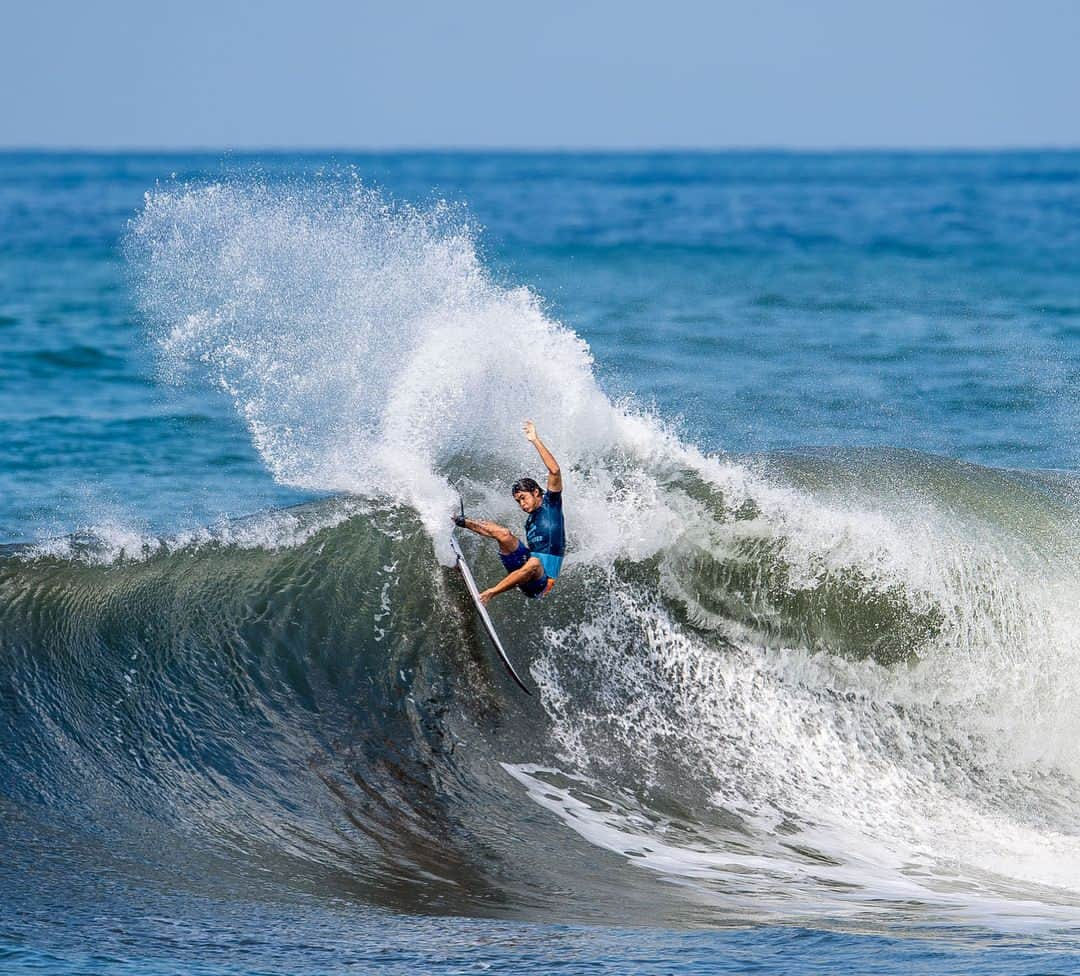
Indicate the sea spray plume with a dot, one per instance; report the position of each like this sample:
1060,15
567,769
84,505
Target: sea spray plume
368,350
362,342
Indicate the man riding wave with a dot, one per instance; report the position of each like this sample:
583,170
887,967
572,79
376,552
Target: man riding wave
532,569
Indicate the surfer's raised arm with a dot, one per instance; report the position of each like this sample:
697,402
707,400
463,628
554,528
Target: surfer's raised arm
554,479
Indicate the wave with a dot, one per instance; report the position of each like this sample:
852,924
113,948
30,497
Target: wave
317,695
835,684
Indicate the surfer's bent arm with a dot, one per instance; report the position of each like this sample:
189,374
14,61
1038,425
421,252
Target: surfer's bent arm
554,480
510,580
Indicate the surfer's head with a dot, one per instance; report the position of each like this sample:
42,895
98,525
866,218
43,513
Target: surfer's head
527,494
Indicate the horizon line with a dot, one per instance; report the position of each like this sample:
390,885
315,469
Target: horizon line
478,149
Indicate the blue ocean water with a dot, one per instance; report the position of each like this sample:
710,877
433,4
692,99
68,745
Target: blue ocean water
809,698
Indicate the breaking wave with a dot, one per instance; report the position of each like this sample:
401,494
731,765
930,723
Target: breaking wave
836,684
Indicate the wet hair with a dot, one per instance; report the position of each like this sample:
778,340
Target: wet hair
526,485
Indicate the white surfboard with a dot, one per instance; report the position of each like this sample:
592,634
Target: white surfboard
474,592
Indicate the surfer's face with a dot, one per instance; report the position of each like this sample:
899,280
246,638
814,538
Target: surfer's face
529,501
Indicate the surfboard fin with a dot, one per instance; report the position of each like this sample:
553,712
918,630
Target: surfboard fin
459,520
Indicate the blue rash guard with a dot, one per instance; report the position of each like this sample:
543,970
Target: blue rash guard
546,533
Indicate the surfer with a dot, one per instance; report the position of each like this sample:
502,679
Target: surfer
533,568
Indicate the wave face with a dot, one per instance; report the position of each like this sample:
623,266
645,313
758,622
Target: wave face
831,685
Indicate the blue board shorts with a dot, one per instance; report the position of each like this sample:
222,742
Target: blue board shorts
519,557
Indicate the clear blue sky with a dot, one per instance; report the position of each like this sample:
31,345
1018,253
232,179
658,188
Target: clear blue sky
673,73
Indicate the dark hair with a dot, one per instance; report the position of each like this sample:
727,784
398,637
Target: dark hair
526,485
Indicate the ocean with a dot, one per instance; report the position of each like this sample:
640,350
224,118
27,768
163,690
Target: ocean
806,691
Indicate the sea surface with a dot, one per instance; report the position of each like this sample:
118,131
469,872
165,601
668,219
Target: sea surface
806,696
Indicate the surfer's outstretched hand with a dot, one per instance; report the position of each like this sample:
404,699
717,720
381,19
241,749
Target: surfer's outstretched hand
485,597
530,431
